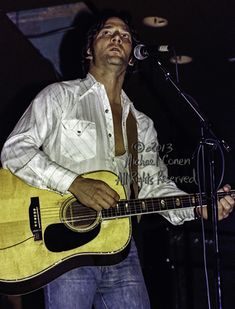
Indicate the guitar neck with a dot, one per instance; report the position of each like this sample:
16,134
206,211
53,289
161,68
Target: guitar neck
134,207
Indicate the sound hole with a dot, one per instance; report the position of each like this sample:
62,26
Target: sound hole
78,217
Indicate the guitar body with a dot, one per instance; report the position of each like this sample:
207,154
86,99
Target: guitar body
37,245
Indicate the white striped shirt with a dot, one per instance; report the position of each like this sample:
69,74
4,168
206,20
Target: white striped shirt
68,130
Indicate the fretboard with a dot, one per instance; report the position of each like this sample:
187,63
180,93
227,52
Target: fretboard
125,208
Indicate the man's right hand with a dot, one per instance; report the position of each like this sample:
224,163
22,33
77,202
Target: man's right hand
93,193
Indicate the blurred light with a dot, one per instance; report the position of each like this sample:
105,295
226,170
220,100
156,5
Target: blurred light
155,21
182,59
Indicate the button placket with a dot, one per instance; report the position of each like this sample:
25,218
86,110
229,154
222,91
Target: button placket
126,110
109,120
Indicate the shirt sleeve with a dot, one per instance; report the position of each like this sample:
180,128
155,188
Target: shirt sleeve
153,174
23,152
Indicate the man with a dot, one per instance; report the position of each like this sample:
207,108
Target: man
79,126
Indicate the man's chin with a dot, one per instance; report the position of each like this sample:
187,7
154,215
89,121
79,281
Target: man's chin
115,60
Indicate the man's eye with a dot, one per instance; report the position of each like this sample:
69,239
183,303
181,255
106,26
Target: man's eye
126,36
106,32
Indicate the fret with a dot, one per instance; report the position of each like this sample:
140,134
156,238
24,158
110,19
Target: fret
111,211
154,202
134,206
108,213
143,206
193,200
168,202
150,205
178,202
202,199
117,208
153,205
162,204
121,208
115,211
183,201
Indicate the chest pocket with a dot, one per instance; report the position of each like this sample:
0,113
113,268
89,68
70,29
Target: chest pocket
78,139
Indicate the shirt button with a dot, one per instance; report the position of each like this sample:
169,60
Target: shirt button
106,111
110,134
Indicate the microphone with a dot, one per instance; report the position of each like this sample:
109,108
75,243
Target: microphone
142,51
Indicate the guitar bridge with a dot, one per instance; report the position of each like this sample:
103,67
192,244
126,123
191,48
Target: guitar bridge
35,218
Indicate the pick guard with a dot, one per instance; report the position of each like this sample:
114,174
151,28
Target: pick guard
58,237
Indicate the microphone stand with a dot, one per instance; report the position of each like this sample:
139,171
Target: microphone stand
211,143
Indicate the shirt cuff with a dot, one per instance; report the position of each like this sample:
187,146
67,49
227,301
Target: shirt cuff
60,180
179,216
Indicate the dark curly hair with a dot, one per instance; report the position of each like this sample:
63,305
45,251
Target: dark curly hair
98,24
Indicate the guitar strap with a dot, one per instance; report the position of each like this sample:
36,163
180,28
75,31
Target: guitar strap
132,137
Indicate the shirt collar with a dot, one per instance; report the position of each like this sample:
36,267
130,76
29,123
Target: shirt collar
89,81
86,84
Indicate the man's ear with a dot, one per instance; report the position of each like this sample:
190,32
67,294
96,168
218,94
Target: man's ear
131,62
89,54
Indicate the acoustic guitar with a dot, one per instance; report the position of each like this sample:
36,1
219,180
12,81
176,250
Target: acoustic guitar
44,234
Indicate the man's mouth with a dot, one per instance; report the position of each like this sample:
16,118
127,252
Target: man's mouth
115,49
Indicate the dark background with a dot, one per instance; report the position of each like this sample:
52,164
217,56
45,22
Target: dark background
172,257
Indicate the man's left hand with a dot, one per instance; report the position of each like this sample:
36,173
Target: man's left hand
225,205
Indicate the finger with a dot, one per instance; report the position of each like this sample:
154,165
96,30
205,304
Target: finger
101,201
110,192
222,213
104,200
224,209
226,205
95,206
111,202
229,199
227,188
106,196
96,194
92,203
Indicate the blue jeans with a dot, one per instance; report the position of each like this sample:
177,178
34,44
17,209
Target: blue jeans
119,286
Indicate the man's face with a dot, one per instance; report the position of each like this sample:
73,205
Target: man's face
112,44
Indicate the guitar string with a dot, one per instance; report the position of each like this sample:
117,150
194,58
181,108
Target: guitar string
109,213
130,203
133,205
147,202
136,205
66,221
81,219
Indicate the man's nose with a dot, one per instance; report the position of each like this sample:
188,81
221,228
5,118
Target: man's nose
116,37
